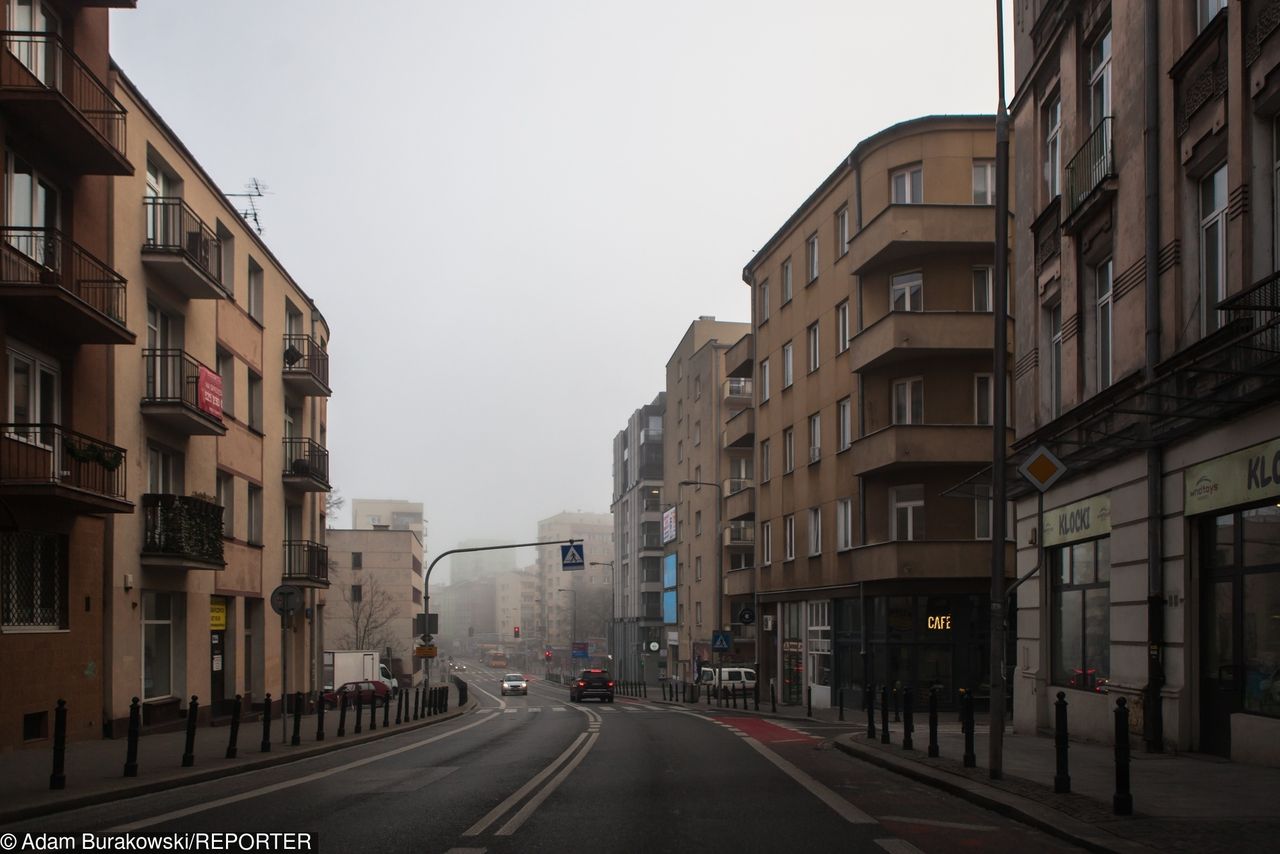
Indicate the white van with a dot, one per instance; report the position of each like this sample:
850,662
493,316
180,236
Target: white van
729,676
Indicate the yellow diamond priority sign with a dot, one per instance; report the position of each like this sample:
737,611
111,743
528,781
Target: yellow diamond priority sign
1042,469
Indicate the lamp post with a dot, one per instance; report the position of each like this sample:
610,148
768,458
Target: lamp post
573,620
613,623
719,625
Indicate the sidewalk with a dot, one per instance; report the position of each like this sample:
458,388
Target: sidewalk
94,769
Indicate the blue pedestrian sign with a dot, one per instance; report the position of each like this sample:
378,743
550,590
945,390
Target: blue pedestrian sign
571,557
721,641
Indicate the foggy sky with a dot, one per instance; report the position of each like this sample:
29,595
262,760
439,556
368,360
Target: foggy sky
509,212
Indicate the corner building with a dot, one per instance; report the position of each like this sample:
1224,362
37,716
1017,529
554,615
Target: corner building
1148,341
872,327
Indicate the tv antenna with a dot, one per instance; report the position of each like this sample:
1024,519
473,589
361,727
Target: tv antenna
254,190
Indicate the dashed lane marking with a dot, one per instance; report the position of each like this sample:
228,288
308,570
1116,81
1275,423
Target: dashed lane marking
898,846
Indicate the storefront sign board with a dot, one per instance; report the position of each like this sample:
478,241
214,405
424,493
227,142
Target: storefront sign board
1082,520
1243,477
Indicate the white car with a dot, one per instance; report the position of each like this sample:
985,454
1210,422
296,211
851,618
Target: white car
514,683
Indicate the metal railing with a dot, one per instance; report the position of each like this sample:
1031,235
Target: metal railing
304,355
33,579
738,387
44,256
42,61
1092,164
172,226
306,458
651,434
739,533
51,454
737,484
173,376
182,526
305,560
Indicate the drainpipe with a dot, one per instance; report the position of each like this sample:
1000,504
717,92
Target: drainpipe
1152,712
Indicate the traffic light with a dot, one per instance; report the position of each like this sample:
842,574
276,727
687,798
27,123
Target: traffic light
517,631
546,654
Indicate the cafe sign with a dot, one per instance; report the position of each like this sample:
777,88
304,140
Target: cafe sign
1082,520
1240,478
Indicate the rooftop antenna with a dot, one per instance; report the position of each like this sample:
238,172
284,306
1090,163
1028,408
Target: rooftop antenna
254,190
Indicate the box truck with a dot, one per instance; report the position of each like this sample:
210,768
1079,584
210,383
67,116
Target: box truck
354,665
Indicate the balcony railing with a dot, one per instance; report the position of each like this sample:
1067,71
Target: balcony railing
735,485
172,226
44,256
306,458
651,541
182,526
1091,165
35,454
739,534
738,387
42,61
305,359
306,562
174,376
650,434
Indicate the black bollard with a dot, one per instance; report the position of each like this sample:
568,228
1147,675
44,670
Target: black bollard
444,699
135,728
266,724
1061,777
933,723
869,695
644,690
416,693
966,723
359,712
297,720
808,698
708,694
386,712
742,689
884,714
58,778
840,695
1122,803
189,751
373,710
897,716
400,706
235,728
773,698
319,717
908,720
733,695
342,715
755,696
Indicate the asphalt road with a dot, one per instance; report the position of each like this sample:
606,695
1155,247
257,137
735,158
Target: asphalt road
538,773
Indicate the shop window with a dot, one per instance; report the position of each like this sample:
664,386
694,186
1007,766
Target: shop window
33,580
157,645
819,643
1081,614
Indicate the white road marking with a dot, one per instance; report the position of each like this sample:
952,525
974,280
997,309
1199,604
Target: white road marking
502,704
536,801
557,708
898,846
843,808
514,798
935,823
509,711
288,784
535,708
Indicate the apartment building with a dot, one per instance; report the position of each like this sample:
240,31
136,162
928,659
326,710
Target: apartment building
872,328
473,566
397,514
375,591
514,594
63,475
1147,344
707,441
576,600
635,630
221,404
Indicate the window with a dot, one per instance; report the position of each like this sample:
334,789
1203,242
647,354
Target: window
983,413
815,531
764,380
1102,282
819,643
255,401
908,186
982,511
1213,245
1055,360
789,537
844,422
1207,10
1053,147
766,543
764,300
697,612
842,327
34,395
908,401
1100,79
255,291
1081,614
982,289
844,523
697,387
417,596
697,435
815,437
255,514
680,451
788,450
165,468
984,182
842,230
811,257
33,577
357,593
33,201
357,560
697,523
157,645
814,356
764,460
786,281
226,258
226,498
227,372
906,292
697,567
788,366
908,512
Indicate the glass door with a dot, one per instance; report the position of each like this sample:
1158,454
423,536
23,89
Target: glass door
28,20
1219,674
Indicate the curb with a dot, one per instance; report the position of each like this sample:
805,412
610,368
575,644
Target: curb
988,797
166,783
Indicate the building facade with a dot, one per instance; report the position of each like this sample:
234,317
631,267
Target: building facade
513,607
1147,342
574,605
396,514
636,629
872,327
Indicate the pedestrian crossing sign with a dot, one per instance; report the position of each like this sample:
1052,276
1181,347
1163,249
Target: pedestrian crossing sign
571,557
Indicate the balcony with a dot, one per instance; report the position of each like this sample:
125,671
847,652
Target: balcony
738,391
904,335
740,430
181,249
181,532
306,465
650,541
1090,177
650,434
50,280
739,360
902,232
306,563
52,94
740,534
739,499
306,366
55,470
905,446
927,559
182,393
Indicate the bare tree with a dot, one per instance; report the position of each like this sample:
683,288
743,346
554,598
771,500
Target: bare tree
333,504
370,610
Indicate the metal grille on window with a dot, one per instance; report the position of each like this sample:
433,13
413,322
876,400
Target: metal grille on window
33,580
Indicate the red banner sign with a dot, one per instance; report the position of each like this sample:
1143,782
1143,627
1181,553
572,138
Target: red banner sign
209,387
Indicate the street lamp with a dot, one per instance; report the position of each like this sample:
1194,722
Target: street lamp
719,625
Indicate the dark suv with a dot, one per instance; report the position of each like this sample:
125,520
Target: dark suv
592,683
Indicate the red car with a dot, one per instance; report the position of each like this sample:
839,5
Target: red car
366,690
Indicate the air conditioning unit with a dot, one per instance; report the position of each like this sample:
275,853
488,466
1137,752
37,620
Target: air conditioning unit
766,622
